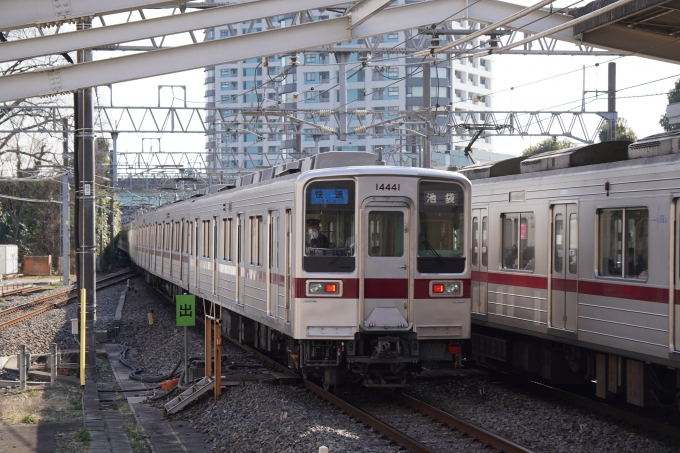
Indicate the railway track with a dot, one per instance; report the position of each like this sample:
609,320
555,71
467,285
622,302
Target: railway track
443,419
56,300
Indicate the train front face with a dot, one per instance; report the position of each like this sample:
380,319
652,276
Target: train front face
382,282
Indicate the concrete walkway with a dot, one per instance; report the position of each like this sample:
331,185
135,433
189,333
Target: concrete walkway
162,435
40,438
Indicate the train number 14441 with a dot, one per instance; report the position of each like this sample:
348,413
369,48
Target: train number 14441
388,187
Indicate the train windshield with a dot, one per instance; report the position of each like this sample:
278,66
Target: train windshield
329,226
441,238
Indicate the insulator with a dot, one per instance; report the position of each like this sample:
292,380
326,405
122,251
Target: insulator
360,129
325,112
327,130
360,112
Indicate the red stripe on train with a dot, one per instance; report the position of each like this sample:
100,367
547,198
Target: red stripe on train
380,288
562,284
620,291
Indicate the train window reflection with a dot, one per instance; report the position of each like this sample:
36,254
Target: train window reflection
518,241
573,243
559,242
485,240
386,233
329,219
623,230
475,240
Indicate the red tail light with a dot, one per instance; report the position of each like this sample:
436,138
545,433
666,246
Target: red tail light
331,288
437,288
454,349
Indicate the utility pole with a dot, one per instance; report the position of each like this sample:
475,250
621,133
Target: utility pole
427,105
114,186
342,58
86,197
611,95
65,248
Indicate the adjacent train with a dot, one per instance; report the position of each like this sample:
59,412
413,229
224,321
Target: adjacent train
575,260
335,262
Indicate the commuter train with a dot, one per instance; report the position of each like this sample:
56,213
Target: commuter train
335,262
575,260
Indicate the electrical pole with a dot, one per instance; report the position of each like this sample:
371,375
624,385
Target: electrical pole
427,105
342,58
86,198
611,95
114,186
65,248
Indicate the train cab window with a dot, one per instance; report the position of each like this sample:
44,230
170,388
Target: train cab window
329,238
386,233
517,237
623,243
485,241
441,238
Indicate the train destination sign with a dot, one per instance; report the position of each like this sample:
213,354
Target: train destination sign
441,197
329,196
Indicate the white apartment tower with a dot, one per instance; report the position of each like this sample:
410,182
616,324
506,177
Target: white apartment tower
391,81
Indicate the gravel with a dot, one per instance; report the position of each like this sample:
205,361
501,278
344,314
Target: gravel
54,326
534,423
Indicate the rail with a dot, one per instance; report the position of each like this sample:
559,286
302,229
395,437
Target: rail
63,297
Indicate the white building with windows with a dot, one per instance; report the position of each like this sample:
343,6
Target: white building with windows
390,82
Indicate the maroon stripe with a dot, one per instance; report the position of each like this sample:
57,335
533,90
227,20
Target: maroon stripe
563,284
479,276
512,279
623,291
386,288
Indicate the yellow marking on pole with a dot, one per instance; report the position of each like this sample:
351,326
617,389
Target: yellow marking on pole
82,336
150,318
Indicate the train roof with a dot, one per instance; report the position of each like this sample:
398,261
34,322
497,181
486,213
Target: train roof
599,153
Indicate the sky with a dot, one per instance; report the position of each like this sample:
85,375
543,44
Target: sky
642,113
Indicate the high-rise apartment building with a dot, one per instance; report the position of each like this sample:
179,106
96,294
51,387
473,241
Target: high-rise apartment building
390,81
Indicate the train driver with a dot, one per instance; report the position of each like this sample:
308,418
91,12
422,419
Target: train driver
316,239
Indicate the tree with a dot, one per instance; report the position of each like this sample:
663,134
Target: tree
549,144
623,131
673,97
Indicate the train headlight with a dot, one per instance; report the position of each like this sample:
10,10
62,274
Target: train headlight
453,288
324,288
446,289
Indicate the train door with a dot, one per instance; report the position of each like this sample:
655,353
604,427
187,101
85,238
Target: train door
564,273
480,258
181,250
273,264
287,286
239,260
386,251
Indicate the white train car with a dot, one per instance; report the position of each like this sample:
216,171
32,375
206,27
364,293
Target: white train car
575,270
333,262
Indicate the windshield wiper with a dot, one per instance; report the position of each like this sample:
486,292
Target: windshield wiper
429,246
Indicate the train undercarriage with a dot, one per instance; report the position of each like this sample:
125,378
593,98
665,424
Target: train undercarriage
610,375
386,359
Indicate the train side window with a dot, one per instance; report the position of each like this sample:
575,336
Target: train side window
559,243
573,243
518,241
226,239
485,241
255,257
475,240
623,230
205,239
